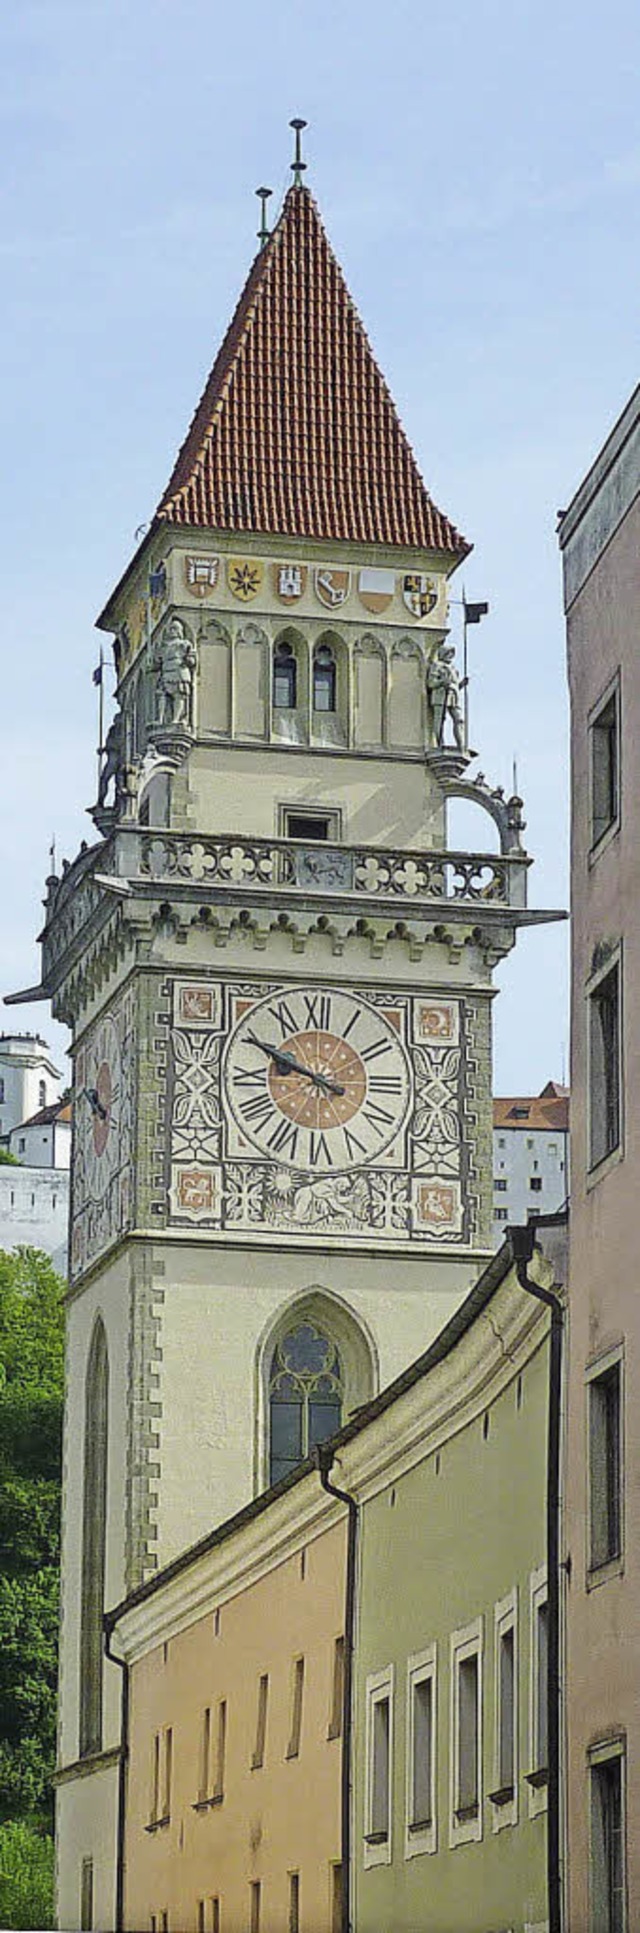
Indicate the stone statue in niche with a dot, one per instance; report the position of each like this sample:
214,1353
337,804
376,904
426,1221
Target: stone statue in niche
113,767
443,690
174,661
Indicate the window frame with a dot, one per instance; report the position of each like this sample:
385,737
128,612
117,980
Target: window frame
599,1371
465,1644
537,1783
421,1836
379,1689
610,696
297,1707
600,1754
505,1619
599,1165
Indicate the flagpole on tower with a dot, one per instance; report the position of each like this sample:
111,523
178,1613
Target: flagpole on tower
98,679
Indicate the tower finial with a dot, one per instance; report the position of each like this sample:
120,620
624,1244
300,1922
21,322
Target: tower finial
298,165
264,232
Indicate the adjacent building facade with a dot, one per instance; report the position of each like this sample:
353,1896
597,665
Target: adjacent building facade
530,1156
600,540
35,1127
301,1754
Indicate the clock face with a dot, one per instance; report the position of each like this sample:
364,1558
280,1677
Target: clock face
98,1107
317,1079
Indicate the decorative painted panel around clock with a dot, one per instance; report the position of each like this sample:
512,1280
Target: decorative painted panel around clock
337,1112
104,1088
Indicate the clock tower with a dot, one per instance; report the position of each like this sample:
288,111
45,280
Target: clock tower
277,974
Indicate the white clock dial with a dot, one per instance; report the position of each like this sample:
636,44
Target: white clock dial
317,1078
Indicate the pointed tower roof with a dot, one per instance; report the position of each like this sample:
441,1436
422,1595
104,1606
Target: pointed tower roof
296,433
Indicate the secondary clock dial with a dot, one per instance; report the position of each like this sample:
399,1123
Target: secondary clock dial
99,1107
317,1078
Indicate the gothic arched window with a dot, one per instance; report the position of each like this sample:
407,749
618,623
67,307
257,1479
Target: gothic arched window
306,1389
94,1534
324,679
285,678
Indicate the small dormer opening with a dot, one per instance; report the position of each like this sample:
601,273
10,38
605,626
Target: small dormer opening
285,678
324,679
307,825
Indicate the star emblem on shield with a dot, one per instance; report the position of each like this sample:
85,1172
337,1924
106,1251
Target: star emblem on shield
244,577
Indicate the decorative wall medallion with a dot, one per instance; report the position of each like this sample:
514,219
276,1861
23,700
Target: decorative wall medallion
195,1193
244,577
419,592
289,581
201,575
436,1021
437,1206
196,1004
332,587
376,589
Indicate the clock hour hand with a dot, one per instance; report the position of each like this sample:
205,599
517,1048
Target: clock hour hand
97,1106
285,1063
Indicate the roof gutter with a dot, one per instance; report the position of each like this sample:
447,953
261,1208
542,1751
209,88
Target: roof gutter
324,1455
522,1240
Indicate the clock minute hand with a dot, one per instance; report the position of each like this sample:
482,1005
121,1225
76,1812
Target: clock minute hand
285,1064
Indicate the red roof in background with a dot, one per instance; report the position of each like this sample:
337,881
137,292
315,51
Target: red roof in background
550,1109
296,432
48,1116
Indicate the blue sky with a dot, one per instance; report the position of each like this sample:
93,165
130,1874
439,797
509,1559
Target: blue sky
478,170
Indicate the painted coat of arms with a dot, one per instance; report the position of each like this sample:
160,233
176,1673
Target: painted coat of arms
419,592
289,581
244,577
201,575
332,587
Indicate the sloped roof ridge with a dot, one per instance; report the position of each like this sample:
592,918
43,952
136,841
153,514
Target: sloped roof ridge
306,445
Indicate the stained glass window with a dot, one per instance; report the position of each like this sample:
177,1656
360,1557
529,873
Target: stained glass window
305,1396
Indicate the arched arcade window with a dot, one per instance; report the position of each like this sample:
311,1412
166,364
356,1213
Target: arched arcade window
306,1395
285,678
94,1535
324,678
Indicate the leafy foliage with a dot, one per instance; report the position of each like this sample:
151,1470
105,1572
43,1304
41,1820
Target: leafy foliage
31,1382
26,1876
7,1159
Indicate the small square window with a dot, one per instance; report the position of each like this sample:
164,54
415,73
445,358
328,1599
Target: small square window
535,1184
500,1186
501,1214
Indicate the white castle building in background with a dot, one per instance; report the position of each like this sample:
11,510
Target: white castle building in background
530,1156
35,1127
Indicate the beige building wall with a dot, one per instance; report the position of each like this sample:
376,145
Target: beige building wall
600,535
265,1811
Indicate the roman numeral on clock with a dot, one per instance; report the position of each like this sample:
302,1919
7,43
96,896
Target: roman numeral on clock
250,1077
319,1150
384,1084
379,1046
284,1139
258,1109
286,1019
318,1010
379,1117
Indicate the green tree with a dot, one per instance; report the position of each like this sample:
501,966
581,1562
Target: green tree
31,1390
7,1159
26,1876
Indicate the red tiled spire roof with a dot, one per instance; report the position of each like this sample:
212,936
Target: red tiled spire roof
296,431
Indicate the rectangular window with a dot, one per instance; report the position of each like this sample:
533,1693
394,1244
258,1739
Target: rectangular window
294,1903
605,767
379,1754
336,1899
86,1896
604,1397
337,1690
501,1214
221,1743
604,1066
535,1184
420,1829
202,1916
164,1922
205,1755
216,1921
504,1795
160,1809
306,825
466,1720
538,1693
500,1187
256,1890
293,1747
261,1722
608,1850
